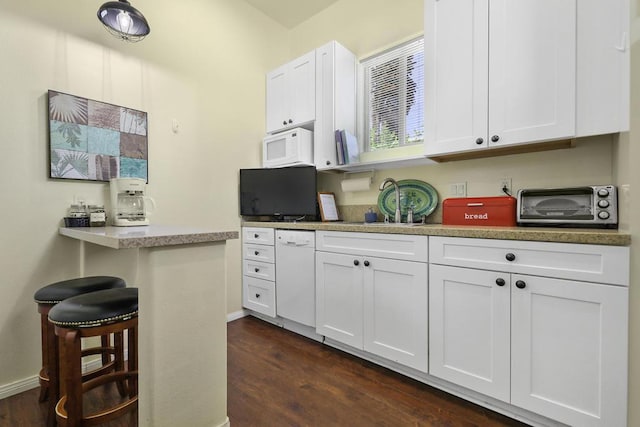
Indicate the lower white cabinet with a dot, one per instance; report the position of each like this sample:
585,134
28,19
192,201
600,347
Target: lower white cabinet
373,303
569,350
555,347
258,270
469,329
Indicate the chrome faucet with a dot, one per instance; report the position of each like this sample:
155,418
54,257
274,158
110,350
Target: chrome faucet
398,216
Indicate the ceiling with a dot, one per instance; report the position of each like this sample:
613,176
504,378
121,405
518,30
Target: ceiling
290,13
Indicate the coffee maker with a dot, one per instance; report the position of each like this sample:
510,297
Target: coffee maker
129,204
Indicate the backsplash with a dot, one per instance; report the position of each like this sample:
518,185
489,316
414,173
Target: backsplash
355,213
588,163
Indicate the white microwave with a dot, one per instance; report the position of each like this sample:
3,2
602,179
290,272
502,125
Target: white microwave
288,148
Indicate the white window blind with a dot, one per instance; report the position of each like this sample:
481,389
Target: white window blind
394,97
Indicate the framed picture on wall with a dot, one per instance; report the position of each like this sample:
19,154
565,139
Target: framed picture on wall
96,141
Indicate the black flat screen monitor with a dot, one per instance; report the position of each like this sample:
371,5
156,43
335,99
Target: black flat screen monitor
281,193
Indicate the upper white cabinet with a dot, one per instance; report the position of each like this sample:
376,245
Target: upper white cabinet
291,92
335,100
603,72
501,73
316,91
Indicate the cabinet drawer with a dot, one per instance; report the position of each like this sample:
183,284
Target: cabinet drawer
259,269
396,246
255,252
590,263
263,236
259,295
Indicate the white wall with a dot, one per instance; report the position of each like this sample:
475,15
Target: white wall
203,65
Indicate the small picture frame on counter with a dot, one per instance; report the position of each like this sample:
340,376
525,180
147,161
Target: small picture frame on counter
328,208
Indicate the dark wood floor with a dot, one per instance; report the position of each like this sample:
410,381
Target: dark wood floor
24,410
277,378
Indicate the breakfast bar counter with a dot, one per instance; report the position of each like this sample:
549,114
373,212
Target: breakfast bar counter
180,273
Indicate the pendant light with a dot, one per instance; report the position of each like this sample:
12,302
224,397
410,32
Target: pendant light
123,21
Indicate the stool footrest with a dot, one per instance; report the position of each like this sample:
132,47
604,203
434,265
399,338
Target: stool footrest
108,414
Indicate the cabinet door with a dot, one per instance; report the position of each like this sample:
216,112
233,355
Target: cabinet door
302,90
335,100
532,70
569,350
395,311
324,145
603,67
456,75
469,328
339,297
277,93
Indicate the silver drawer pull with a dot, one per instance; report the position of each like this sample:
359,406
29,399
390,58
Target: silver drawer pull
475,204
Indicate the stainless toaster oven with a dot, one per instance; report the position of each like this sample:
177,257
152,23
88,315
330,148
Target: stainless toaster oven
589,206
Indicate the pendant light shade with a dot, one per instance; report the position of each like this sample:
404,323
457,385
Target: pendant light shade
123,21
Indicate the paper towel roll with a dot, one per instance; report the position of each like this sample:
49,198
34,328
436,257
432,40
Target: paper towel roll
356,184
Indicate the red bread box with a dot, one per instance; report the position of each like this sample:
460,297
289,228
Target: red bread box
497,211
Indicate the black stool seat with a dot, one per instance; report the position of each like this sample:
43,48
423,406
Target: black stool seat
110,311
46,298
59,291
96,308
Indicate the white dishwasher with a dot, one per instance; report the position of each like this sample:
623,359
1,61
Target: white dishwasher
295,276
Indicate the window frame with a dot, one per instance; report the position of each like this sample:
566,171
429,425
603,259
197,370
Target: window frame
363,128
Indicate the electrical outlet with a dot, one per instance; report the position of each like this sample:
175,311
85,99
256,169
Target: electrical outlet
505,186
458,190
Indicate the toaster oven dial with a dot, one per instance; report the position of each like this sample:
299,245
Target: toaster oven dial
603,215
603,203
603,192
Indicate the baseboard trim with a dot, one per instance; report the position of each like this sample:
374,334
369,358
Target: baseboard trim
236,315
11,389
20,386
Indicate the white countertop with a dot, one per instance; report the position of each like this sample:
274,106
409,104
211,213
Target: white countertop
146,236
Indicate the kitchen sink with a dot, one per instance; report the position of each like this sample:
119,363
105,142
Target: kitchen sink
388,224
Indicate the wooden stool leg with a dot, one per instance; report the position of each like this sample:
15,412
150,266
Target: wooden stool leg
53,372
118,344
106,343
132,336
72,367
44,374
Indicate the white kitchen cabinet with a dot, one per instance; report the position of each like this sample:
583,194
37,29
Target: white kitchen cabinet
395,311
335,100
556,347
373,303
291,94
339,298
603,67
469,330
498,73
569,350
258,270
501,73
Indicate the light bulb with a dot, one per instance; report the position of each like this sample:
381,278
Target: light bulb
124,21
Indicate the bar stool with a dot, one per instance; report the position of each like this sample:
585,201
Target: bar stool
50,295
110,311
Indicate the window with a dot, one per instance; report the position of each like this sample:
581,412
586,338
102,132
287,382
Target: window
393,84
